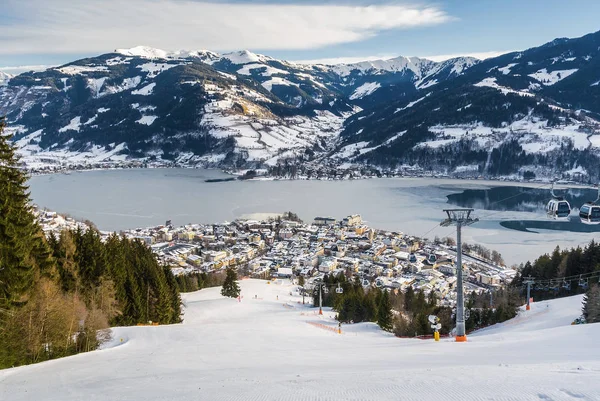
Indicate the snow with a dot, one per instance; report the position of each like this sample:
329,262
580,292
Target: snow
128,83
153,69
95,85
103,110
427,84
532,133
262,136
118,61
268,85
271,347
398,64
349,150
25,141
365,90
146,120
244,57
153,53
467,168
577,170
595,141
64,82
506,70
74,125
247,70
311,79
460,64
550,78
80,69
491,83
145,91
595,83
411,104
91,120
4,78
226,75
144,52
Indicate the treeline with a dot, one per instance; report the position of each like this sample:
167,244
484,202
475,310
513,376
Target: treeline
406,313
197,281
143,289
561,263
484,253
564,273
354,304
57,295
414,308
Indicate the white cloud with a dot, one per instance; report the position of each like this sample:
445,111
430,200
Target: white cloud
64,26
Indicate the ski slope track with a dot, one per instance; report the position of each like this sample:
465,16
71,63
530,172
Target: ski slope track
264,348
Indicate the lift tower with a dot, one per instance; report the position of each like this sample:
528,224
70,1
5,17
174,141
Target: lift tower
459,218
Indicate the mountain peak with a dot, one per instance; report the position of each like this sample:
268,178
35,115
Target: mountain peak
245,57
143,51
4,78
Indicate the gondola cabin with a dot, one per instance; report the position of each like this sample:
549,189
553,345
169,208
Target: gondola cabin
558,209
590,213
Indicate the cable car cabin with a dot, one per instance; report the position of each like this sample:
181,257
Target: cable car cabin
558,209
590,213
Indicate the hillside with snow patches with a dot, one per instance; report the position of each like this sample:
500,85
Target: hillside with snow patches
535,110
504,116
271,347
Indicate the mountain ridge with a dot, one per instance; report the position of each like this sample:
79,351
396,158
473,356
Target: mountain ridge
247,110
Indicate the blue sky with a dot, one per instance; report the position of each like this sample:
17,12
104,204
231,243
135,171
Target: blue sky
52,32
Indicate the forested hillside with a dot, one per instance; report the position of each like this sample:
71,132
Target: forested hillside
406,313
57,295
565,273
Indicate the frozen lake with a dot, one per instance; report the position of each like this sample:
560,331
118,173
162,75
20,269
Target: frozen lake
121,199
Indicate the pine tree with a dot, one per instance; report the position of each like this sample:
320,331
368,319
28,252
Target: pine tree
591,304
230,286
384,313
409,297
24,252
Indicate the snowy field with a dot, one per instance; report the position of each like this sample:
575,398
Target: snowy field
266,348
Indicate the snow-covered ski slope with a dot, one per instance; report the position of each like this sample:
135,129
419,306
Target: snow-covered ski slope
269,349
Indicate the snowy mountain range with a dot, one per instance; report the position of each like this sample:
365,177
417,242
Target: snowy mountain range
519,112
4,78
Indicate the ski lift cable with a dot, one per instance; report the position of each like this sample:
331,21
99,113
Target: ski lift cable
507,198
574,277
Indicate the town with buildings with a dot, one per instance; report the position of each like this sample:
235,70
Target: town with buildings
287,248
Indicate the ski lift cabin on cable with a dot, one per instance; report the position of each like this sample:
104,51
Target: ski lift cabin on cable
558,208
589,213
